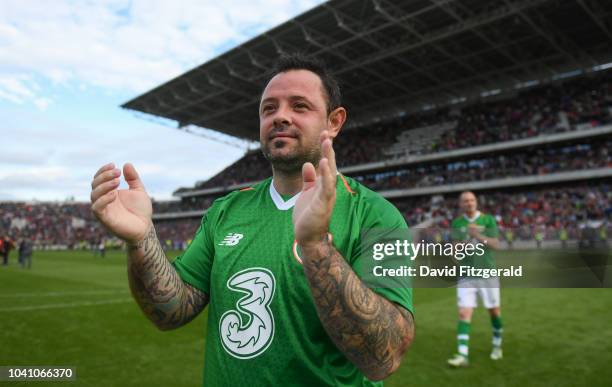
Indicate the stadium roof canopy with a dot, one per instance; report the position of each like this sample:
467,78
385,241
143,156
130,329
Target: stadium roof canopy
396,56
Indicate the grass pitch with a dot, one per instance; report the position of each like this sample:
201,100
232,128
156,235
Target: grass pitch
74,309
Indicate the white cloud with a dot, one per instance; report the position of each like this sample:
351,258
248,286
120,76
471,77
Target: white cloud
131,45
117,46
19,88
20,157
15,88
35,177
42,103
49,162
10,97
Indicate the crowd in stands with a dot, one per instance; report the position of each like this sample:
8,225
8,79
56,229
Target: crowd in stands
544,110
176,234
587,154
72,225
552,108
50,223
524,211
195,203
540,110
539,161
251,167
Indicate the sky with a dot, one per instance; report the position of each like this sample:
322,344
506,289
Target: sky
67,66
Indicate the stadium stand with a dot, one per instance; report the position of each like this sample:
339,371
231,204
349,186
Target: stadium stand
188,204
537,161
51,224
574,105
71,225
61,225
416,141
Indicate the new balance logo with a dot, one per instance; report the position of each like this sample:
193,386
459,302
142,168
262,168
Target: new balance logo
231,239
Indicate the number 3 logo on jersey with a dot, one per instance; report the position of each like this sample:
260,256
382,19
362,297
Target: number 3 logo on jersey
249,338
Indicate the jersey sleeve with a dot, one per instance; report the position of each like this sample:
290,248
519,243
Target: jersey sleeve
381,222
195,264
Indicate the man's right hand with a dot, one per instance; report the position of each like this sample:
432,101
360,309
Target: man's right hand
125,212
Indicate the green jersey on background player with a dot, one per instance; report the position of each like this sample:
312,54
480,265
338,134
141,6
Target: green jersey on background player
487,226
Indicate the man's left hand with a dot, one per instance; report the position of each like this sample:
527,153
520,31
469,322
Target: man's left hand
314,207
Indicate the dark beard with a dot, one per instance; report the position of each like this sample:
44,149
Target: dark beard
291,164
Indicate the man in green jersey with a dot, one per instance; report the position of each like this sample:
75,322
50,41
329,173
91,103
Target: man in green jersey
277,263
476,228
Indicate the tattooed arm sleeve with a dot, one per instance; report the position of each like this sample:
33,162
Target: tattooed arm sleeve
371,331
159,291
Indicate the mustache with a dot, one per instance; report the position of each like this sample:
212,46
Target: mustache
285,130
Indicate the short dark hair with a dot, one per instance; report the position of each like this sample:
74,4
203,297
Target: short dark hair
299,61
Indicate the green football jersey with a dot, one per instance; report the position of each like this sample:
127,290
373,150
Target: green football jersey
263,328
488,228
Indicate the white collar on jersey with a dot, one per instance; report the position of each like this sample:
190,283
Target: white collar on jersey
471,220
278,199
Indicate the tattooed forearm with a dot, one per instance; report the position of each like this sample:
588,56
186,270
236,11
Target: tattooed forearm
159,291
371,331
